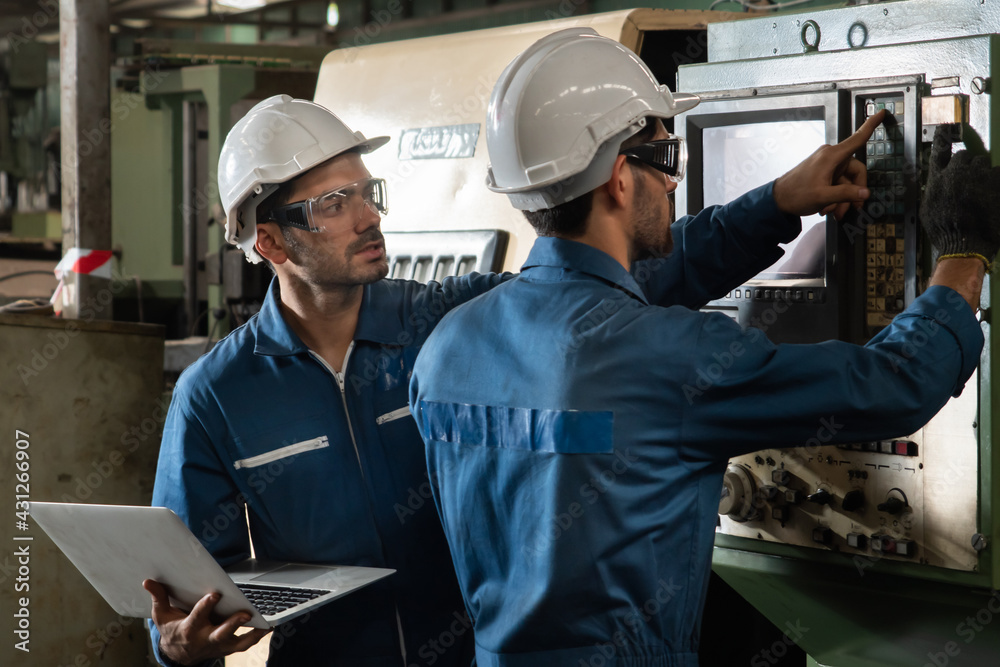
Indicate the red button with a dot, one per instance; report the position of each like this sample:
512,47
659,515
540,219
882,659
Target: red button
905,448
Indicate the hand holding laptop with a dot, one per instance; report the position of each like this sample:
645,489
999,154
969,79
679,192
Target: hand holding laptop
118,546
192,638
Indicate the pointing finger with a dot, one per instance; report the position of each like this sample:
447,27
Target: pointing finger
853,143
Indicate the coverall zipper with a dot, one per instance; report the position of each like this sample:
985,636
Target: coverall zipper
398,413
339,377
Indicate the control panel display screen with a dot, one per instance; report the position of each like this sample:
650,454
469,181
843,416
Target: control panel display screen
739,158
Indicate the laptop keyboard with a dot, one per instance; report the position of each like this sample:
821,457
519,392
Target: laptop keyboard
270,600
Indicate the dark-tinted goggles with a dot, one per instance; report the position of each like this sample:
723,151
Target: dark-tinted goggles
666,155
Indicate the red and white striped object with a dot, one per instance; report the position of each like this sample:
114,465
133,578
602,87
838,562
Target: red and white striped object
81,260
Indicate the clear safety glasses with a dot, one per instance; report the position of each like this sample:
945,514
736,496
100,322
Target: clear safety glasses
336,208
666,155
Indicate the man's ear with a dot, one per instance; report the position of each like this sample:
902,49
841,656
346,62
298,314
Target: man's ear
620,182
270,243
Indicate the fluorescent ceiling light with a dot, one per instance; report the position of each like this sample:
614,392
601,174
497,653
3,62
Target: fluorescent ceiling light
136,24
243,5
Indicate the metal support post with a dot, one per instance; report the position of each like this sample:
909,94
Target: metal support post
86,145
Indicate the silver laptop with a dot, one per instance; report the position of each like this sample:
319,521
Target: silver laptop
117,546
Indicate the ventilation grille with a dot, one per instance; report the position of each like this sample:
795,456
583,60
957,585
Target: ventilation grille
427,256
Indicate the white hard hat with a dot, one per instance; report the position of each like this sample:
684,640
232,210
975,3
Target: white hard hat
560,112
276,141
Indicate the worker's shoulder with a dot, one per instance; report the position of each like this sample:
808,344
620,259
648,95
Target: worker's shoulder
655,323
229,360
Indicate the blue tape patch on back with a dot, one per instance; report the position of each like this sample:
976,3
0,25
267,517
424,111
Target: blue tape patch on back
554,431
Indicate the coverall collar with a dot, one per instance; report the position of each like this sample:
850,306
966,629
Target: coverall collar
377,322
565,254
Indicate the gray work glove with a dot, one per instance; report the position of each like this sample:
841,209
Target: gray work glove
961,207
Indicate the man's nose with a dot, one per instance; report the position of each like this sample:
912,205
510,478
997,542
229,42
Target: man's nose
369,216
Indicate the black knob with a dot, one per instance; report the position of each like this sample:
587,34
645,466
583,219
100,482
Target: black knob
853,501
821,497
892,505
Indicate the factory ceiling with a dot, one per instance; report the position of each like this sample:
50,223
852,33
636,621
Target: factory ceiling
25,17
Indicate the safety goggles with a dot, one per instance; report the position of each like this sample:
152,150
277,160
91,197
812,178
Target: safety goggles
666,155
336,208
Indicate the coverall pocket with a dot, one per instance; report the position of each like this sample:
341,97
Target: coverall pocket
553,431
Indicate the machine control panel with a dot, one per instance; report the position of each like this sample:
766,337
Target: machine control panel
897,498
885,257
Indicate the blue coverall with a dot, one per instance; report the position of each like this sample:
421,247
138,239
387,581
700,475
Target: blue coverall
363,497
246,426
577,436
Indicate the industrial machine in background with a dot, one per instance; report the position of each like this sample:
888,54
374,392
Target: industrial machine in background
171,111
30,186
29,148
884,550
432,97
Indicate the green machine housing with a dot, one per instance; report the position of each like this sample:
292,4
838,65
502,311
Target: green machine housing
174,104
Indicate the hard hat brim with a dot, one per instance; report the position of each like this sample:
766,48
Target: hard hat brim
685,102
372,144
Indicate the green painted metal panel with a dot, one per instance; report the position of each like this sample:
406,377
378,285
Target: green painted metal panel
37,225
142,203
844,618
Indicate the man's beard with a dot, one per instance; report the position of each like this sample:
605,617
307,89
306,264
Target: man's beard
652,223
329,270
